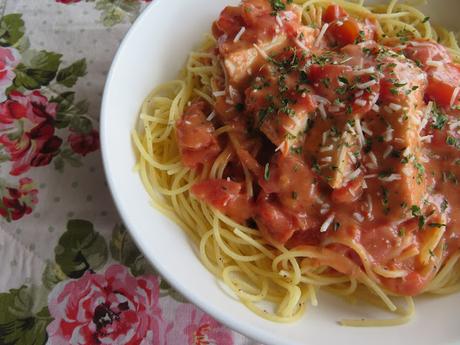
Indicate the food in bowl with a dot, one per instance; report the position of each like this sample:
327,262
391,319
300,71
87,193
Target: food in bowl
314,145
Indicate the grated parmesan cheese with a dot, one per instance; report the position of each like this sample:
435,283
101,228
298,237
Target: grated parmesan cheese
366,129
395,107
388,136
211,116
239,34
326,148
426,138
369,205
322,111
366,85
279,21
261,51
351,176
361,102
388,109
434,63
327,223
218,93
368,70
321,34
301,45
321,99
387,151
359,131
358,216
373,159
325,136
391,178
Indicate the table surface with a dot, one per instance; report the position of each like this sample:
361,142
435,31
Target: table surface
70,274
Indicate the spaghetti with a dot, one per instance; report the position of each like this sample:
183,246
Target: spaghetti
190,149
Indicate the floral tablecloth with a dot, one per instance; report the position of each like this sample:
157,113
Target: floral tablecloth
69,272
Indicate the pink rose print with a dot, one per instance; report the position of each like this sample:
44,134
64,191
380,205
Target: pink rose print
193,327
84,143
27,130
112,308
17,202
9,59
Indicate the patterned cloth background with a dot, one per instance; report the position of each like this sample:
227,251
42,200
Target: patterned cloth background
69,273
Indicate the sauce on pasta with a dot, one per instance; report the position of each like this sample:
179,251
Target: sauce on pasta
331,140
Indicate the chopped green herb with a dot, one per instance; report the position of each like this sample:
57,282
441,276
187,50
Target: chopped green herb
451,141
416,212
267,172
425,19
294,195
343,80
436,225
239,107
326,82
444,205
296,150
385,193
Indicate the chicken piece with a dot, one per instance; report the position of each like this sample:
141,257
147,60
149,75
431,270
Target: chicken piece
283,125
333,146
239,64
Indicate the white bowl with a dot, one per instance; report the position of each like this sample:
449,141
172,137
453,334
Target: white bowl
153,52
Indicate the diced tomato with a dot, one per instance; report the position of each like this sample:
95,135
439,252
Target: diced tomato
441,84
424,51
346,33
226,196
349,193
274,223
334,12
411,285
195,136
229,22
216,192
254,9
439,140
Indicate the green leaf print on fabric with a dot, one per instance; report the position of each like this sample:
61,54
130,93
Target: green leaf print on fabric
11,30
115,11
124,250
68,76
80,249
20,323
68,109
52,275
37,69
31,83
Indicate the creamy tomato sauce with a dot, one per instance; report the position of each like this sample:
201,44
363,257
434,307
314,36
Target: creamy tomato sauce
347,137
